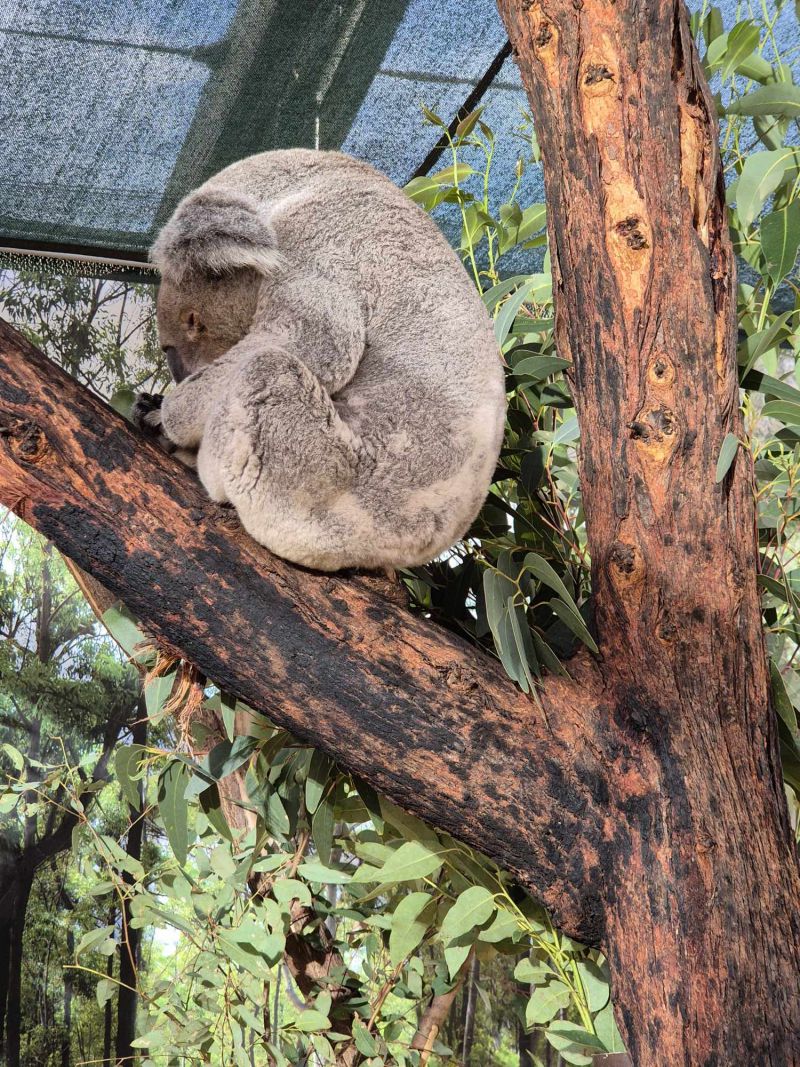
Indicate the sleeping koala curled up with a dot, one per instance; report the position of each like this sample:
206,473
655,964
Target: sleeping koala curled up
338,380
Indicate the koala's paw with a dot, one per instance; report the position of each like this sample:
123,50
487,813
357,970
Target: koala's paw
146,413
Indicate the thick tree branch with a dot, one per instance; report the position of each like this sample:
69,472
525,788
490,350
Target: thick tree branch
421,715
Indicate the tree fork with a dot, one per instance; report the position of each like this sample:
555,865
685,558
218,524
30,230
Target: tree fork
424,717
701,881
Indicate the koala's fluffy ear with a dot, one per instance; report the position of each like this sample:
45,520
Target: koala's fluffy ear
216,232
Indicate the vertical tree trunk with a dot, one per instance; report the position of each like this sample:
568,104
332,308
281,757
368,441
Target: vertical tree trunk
108,1016
127,996
471,993
699,871
14,1021
5,967
525,1041
66,1041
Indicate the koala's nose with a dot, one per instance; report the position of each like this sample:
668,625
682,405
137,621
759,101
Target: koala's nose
174,362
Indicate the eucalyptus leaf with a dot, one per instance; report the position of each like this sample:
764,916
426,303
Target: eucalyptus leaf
567,432
456,953
228,756
322,825
763,383
472,908
364,1041
105,990
92,938
309,1020
567,1036
546,1002
314,871
211,806
411,861
126,764
574,621
410,921
783,705
727,454
785,411
596,983
157,693
740,43
540,367
464,129
173,807
605,1026
779,99
14,754
761,175
537,288
125,630
228,712
780,240
319,772
430,189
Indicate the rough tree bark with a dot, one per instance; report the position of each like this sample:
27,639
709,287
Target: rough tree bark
643,804
701,881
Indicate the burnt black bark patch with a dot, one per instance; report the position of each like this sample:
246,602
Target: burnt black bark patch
597,72
623,557
630,230
544,35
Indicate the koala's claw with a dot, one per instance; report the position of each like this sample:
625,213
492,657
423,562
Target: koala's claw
146,413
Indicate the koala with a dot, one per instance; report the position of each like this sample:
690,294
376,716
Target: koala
338,379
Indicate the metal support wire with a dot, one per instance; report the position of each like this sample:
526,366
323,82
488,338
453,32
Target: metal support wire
466,108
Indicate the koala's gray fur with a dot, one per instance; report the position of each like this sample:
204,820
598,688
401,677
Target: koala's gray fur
341,382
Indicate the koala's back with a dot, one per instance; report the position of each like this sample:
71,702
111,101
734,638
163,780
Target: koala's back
429,338
341,217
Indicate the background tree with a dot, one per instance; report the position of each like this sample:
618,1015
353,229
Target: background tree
64,701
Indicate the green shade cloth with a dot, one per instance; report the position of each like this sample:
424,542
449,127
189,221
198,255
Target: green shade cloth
113,110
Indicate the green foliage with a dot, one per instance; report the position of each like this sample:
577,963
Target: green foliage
65,697
103,332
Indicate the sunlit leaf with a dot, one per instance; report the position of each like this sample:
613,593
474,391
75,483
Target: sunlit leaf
780,99
761,175
596,983
546,1002
468,123
472,908
411,861
784,410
